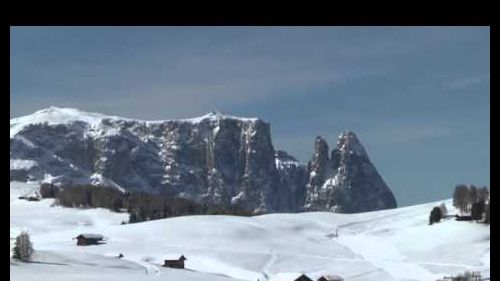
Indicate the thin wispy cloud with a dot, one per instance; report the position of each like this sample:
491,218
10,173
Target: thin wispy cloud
408,133
190,85
467,82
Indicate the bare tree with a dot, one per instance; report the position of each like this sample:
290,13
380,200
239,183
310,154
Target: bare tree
482,193
444,211
477,210
461,197
23,248
473,194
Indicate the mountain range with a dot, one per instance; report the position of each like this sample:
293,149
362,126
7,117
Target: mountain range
215,158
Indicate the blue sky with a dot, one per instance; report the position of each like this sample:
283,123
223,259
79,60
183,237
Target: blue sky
417,97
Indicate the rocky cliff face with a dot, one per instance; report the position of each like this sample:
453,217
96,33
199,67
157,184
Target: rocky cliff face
214,158
346,181
292,181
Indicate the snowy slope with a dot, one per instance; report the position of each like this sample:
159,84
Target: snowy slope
81,266
388,245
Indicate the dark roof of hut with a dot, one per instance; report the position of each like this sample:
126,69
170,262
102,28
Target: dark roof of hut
91,236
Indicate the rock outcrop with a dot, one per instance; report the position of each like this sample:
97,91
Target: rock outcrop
215,158
346,181
293,178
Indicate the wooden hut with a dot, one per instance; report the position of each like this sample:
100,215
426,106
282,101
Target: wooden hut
175,262
89,239
330,278
290,277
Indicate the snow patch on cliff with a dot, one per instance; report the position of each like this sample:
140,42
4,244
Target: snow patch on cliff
21,164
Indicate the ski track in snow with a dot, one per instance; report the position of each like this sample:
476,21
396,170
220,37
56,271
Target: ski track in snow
358,275
149,268
267,266
386,257
217,267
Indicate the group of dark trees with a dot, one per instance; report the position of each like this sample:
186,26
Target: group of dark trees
144,207
470,200
466,276
473,200
465,196
83,196
141,206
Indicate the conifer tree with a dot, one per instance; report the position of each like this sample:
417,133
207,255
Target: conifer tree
435,215
23,248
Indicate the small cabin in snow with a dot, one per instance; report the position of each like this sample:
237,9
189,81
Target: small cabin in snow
290,277
89,239
330,278
175,261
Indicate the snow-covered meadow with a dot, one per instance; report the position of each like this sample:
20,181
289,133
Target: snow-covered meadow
387,245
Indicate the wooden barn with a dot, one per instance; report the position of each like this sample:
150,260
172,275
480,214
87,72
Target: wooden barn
290,277
89,239
330,278
175,261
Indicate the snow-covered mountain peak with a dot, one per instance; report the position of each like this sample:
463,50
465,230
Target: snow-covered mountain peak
54,115
61,115
215,113
347,135
216,116
349,142
346,181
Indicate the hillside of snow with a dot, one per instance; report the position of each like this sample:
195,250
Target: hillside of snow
395,244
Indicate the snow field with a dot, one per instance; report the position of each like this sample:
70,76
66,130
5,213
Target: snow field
387,245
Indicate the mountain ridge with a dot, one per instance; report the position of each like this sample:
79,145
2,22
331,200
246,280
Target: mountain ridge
214,158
